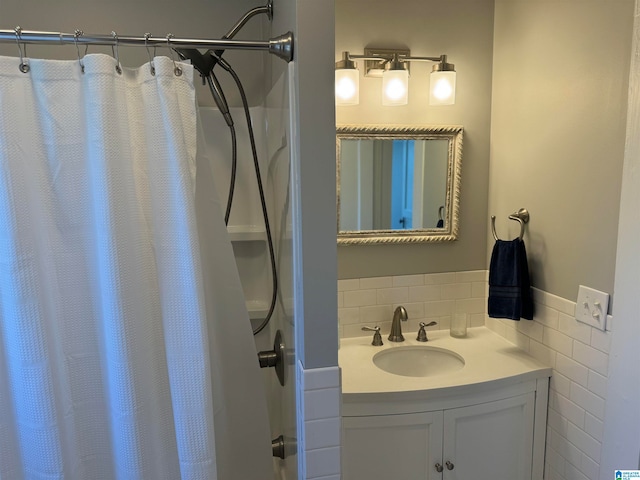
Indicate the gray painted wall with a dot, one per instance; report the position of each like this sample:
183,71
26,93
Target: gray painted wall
314,179
464,31
560,83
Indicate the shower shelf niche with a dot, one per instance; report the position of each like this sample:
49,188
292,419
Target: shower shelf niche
246,233
257,309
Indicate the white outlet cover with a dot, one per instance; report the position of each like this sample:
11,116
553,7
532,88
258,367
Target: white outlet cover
592,307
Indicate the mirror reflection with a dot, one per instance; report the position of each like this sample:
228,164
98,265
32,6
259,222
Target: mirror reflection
393,184
398,184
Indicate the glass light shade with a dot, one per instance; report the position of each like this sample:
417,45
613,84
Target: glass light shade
347,86
443,88
395,87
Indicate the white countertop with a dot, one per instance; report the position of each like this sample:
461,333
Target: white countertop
489,360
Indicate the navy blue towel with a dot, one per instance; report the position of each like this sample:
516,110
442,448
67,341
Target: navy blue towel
509,284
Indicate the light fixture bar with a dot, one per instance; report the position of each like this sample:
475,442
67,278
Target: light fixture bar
375,59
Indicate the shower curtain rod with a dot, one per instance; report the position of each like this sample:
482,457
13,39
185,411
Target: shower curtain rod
281,46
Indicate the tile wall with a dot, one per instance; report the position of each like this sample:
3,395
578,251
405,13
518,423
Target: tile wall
429,297
578,353
319,437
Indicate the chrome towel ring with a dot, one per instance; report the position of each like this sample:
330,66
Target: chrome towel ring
521,216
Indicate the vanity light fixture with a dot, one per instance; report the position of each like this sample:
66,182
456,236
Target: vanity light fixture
395,83
347,81
393,67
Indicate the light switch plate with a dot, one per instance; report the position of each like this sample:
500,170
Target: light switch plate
592,307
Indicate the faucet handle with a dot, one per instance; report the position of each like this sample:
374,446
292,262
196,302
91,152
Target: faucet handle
422,334
377,338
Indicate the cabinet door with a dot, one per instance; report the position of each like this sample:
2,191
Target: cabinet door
490,441
398,447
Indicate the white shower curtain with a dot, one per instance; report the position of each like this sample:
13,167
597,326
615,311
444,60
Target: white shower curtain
125,347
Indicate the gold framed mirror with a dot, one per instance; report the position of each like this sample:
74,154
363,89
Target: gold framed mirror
398,184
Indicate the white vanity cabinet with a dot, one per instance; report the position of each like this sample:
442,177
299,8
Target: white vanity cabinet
490,440
496,435
391,446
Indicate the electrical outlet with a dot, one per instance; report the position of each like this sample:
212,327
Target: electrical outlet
592,307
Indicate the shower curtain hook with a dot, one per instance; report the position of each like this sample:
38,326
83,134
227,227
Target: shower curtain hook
116,51
152,69
24,66
177,71
76,35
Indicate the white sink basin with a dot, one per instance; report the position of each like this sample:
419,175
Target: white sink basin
418,361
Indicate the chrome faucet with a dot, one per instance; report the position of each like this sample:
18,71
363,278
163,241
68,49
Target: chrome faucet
396,329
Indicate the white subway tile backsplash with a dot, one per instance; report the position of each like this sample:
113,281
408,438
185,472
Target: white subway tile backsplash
348,315
439,278
589,467
319,434
558,341
479,290
517,338
594,426
569,410
471,305
322,462
562,305
414,310
496,325
570,326
570,452
439,309
348,284
376,314
533,330
323,433
555,460
597,384
572,473
546,316
601,340
572,369
476,319
542,353
392,295
556,421
552,474
471,276
454,291
579,355
408,280
584,442
424,293
587,400
590,357
321,378
360,298
561,384
320,404
376,282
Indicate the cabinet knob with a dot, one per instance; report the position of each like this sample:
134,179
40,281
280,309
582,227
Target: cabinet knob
438,468
449,465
